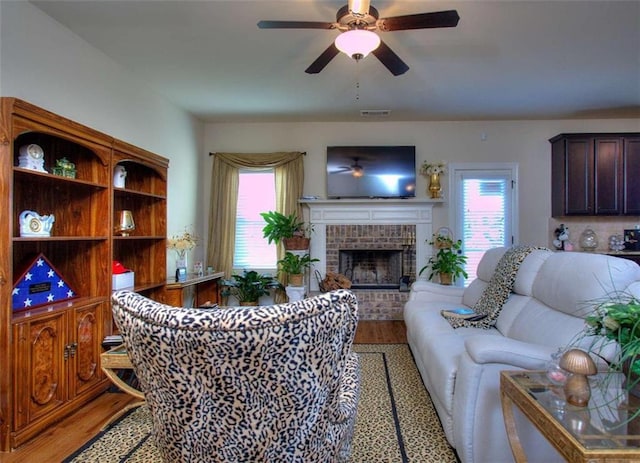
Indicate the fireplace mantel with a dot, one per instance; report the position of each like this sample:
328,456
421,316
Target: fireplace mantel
416,212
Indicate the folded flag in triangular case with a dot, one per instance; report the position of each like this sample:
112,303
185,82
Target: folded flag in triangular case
40,284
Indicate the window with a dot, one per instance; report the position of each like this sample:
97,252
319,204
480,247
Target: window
483,199
256,194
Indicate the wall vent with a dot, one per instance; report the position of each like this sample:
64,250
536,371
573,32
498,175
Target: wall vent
375,112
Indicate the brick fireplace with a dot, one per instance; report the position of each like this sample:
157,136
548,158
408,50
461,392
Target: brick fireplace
375,243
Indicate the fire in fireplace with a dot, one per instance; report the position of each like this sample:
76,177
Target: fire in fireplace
371,269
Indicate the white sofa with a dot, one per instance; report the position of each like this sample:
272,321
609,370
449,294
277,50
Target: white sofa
460,367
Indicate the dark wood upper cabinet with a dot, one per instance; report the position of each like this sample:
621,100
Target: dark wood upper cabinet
631,176
595,174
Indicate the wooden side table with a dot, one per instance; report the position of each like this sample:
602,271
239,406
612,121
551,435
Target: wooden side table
601,432
194,292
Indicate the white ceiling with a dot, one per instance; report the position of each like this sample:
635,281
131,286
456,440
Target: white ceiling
506,59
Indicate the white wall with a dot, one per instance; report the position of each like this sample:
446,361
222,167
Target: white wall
44,63
524,142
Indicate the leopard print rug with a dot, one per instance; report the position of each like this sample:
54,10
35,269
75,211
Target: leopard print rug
396,421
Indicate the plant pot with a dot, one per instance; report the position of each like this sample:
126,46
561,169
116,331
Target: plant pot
446,279
249,303
296,279
296,243
631,382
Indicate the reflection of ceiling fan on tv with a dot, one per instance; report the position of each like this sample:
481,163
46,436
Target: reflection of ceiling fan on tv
355,169
357,23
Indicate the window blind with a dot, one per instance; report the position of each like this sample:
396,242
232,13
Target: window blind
256,194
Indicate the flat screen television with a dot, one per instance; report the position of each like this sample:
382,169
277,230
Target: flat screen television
371,171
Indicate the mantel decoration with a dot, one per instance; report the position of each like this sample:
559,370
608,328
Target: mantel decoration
433,170
181,244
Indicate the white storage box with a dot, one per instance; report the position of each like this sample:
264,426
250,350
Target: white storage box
123,281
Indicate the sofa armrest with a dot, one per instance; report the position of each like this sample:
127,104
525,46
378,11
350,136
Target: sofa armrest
507,351
422,290
349,391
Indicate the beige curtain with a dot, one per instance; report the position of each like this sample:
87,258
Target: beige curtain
289,175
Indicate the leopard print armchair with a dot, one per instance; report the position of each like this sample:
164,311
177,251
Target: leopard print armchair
275,383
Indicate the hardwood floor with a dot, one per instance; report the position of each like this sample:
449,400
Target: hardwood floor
381,332
70,434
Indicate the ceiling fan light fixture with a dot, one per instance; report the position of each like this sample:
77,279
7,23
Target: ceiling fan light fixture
357,43
359,7
357,171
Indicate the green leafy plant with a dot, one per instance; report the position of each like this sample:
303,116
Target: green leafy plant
619,321
295,264
280,226
448,260
249,286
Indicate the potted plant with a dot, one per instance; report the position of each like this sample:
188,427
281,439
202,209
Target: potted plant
448,263
249,287
295,265
288,229
618,320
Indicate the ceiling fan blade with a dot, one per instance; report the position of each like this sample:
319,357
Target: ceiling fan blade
448,18
391,61
295,25
322,60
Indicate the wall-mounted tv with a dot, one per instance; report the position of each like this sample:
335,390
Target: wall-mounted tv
371,171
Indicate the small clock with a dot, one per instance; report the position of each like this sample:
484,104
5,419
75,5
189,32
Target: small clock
32,157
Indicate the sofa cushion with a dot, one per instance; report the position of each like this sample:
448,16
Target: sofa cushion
489,262
528,271
510,312
473,292
571,282
443,349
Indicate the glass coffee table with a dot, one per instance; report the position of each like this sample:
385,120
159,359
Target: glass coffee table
607,430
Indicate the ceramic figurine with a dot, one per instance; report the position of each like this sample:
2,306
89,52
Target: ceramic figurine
119,177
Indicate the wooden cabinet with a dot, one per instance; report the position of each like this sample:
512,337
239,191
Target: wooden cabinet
595,174
631,176
50,354
57,364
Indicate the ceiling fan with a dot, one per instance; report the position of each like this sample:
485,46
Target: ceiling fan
355,169
357,22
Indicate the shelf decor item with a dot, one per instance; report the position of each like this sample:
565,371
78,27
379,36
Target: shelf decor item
433,170
125,224
576,389
33,224
181,244
588,240
65,168
40,284
119,176
32,158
